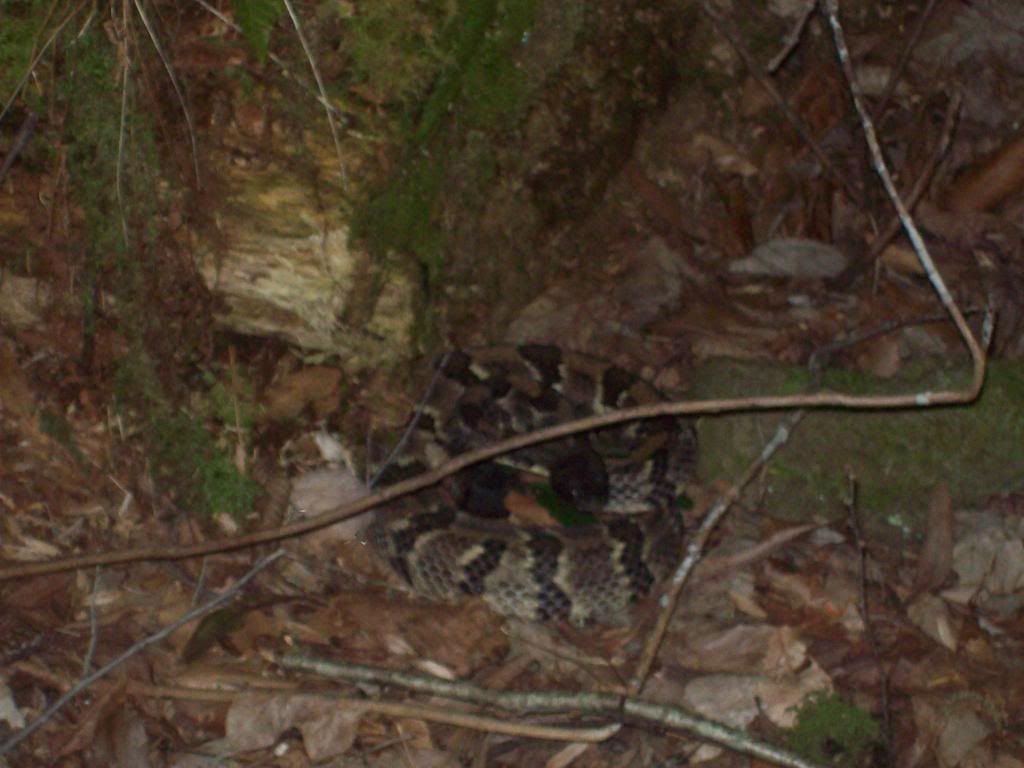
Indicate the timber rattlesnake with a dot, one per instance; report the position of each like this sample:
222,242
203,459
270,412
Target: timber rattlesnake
628,474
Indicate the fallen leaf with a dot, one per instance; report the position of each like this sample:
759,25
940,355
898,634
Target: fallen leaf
931,615
316,386
994,180
328,727
936,558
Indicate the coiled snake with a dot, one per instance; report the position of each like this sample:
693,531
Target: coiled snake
626,475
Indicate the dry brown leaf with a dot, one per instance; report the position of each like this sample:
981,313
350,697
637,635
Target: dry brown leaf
9,712
316,386
737,699
901,258
936,558
726,157
15,393
414,732
106,700
747,648
328,727
931,615
125,733
360,624
998,177
950,726
567,755
881,356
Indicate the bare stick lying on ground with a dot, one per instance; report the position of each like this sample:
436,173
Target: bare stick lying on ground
579,704
85,682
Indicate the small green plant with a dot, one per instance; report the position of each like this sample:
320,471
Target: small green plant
187,459
230,405
833,731
257,19
21,35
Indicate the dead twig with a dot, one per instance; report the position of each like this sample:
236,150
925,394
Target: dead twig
853,520
599,704
724,28
820,357
908,50
913,234
174,84
695,550
126,68
93,626
83,684
713,567
320,85
413,423
457,464
920,399
920,186
20,142
35,60
794,36
281,64
434,714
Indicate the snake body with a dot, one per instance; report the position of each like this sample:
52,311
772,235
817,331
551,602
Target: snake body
627,475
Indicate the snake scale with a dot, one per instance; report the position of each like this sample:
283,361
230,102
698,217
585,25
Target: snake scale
459,545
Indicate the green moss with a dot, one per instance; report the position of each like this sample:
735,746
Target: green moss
896,456
832,731
185,456
477,86
395,49
483,85
400,216
21,34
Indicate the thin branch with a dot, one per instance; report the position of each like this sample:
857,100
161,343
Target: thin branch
125,59
821,356
853,520
794,36
411,427
434,714
695,550
818,400
901,65
225,597
282,65
35,60
460,462
20,142
90,651
319,84
913,197
913,234
604,704
174,83
725,29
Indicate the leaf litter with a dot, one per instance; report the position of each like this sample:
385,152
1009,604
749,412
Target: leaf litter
922,639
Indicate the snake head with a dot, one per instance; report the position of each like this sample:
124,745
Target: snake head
581,479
